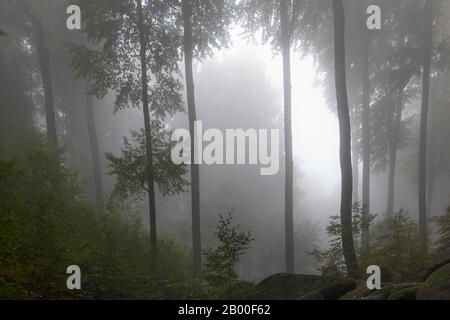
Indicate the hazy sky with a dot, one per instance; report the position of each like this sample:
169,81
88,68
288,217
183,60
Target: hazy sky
315,128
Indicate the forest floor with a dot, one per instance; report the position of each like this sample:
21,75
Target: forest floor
435,285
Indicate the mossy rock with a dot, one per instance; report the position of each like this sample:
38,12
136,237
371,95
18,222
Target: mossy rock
436,286
362,292
380,294
290,286
405,293
331,292
312,296
336,290
388,275
357,294
434,268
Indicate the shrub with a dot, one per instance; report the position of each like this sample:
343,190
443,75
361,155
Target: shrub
46,225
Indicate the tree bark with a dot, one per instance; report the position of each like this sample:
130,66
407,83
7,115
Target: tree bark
195,175
394,134
427,43
289,217
148,138
42,48
345,141
430,188
365,122
355,158
393,148
93,141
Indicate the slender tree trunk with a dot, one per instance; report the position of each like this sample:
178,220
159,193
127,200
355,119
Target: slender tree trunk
430,189
365,44
345,141
195,176
148,138
288,198
355,159
427,43
93,141
393,148
395,119
42,48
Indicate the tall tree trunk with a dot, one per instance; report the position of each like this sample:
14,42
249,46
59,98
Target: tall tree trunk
355,158
288,192
393,148
427,43
148,138
345,141
42,48
93,141
195,179
365,44
430,188
394,124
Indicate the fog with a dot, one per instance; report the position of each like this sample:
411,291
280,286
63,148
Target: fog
87,113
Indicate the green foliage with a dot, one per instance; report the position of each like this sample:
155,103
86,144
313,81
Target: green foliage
46,225
331,260
111,26
394,245
110,59
130,167
443,232
210,24
221,261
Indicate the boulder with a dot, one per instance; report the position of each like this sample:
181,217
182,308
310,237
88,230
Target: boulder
331,292
380,294
312,296
436,286
404,292
290,286
388,275
357,294
338,289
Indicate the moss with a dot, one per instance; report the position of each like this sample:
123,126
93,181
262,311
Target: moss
291,286
287,285
437,286
407,293
312,296
338,289
440,275
356,294
381,294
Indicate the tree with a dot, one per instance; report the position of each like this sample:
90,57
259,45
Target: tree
289,172
16,112
148,133
365,117
221,261
332,259
31,19
278,20
93,141
204,27
443,230
427,52
138,55
345,141
42,46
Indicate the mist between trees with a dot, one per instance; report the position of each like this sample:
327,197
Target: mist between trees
358,174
